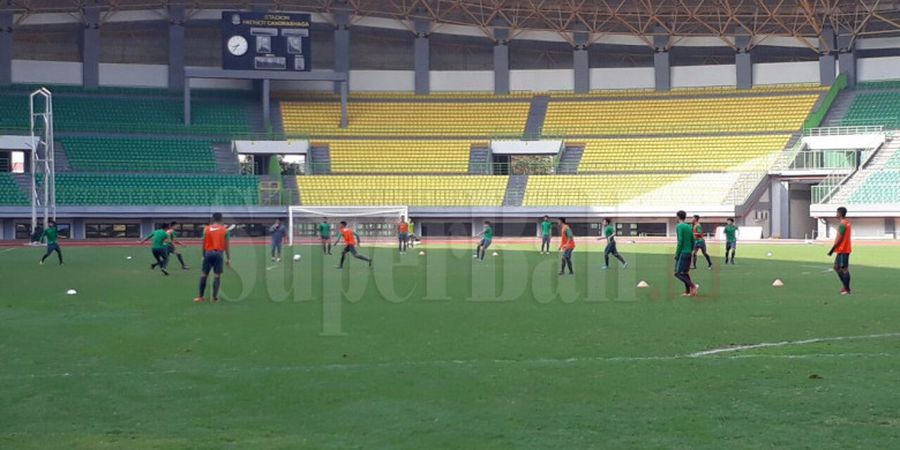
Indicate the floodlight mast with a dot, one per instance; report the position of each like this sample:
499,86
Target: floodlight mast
43,161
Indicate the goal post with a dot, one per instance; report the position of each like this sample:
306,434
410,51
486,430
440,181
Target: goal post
303,219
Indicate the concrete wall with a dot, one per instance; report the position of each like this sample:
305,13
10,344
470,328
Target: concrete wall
873,69
155,75
462,80
781,73
700,76
51,72
622,78
382,80
542,80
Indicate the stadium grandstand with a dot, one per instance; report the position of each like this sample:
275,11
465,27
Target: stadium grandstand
121,115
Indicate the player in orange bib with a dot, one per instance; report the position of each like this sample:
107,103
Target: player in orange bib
216,253
566,245
351,240
403,234
843,247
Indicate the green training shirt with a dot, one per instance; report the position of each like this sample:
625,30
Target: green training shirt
698,229
158,238
489,233
51,234
325,230
730,231
685,234
610,234
546,227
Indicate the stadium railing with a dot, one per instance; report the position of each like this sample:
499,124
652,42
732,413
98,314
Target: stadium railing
844,130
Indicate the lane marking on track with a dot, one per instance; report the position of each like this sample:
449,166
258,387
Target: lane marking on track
8,249
704,355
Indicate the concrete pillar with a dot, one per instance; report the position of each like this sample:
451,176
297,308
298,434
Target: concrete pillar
743,62
847,57
176,47
265,93
3,235
422,55
827,50
90,47
341,43
146,227
781,209
6,40
581,62
662,70
78,229
501,57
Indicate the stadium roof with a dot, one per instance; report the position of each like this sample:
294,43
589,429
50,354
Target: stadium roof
804,19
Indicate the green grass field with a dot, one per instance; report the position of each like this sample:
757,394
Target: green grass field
439,351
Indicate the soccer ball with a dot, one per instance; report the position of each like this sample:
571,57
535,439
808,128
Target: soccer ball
475,255
421,253
494,254
128,258
71,292
297,257
769,254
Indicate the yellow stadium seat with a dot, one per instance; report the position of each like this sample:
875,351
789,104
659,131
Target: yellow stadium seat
409,190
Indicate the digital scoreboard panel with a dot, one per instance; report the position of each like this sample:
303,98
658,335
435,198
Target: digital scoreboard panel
265,41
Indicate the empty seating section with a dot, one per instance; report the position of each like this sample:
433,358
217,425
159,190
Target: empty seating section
423,119
667,116
874,108
411,190
588,190
884,84
163,190
881,187
691,154
130,115
139,154
10,194
399,156
13,112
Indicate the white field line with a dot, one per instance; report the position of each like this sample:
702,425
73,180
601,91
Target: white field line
8,249
737,348
538,362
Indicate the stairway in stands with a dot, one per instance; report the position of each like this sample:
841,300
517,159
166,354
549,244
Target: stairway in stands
24,182
61,159
876,164
839,108
515,190
534,125
570,159
320,159
291,189
480,161
226,160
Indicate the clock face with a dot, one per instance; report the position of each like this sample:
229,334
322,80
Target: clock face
237,45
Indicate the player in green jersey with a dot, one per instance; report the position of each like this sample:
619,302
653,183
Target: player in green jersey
730,240
487,235
683,251
325,236
160,248
51,234
609,234
546,234
173,240
699,243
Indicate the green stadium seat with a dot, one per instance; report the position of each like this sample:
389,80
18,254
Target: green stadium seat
10,194
87,154
83,189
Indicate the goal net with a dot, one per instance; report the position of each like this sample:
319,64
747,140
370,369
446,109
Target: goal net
378,222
